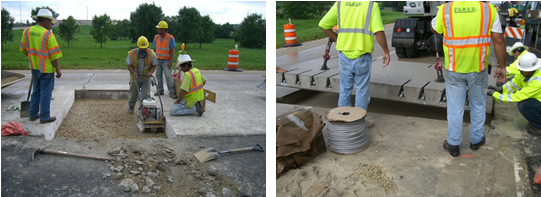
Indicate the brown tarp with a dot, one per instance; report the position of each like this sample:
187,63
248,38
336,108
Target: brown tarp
298,141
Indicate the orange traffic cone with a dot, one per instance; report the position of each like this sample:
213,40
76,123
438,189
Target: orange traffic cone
290,35
233,60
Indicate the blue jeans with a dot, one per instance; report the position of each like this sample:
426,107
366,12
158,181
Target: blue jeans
358,71
531,110
456,87
162,69
43,86
134,93
181,109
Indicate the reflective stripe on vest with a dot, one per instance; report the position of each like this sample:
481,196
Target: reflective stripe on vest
453,42
163,49
42,54
133,55
365,30
194,88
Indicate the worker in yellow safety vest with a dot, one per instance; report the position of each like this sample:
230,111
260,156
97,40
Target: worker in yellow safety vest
468,28
525,89
39,44
358,22
141,63
164,46
191,90
517,50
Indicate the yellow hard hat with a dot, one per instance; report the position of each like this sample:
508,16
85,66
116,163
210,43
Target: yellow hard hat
162,25
142,42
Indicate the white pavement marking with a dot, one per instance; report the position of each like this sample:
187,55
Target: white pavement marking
517,168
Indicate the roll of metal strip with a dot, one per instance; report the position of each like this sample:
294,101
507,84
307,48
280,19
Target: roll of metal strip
347,137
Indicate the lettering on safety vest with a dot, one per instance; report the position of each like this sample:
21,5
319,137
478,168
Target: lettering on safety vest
465,10
36,34
364,30
354,4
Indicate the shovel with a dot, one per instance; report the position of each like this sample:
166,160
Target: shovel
25,105
210,153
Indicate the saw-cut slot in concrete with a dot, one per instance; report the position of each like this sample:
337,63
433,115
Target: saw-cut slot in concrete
328,86
422,92
401,91
312,81
297,80
443,98
103,114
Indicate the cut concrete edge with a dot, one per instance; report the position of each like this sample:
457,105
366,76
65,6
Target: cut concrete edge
53,127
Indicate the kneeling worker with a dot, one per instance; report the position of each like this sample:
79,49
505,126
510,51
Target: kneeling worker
191,90
141,64
525,88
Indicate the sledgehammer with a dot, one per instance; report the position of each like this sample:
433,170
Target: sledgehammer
42,150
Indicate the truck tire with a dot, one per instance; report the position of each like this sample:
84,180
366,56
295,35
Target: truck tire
401,52
412,52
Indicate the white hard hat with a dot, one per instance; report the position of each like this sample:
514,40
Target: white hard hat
516,46
45,13
528,62
183,59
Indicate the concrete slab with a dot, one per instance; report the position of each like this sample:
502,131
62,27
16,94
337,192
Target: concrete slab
238,111
410,150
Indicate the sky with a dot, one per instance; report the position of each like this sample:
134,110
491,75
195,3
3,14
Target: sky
221,12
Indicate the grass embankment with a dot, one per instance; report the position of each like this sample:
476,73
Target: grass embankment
86,54
308,29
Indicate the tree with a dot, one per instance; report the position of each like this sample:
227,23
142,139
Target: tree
207,30
7,27
189,25
144,21
35,12
67,29
101,26
304,9
252,31
223,31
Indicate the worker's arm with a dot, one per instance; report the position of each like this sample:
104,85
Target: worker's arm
499,47
331,34
382,40
58,72
152,69
171,55
132,71
181,96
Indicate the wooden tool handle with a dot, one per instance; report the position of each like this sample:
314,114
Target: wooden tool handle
73,154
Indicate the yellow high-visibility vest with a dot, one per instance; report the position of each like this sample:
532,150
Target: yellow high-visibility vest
195,93
466,32
41,46
148,60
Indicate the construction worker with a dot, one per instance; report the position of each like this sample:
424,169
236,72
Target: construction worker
525,89
357,22
164,47
39,44
516,51
141,63
467,28
191,90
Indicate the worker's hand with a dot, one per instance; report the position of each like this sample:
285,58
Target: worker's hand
500,73
386,60
176,102
169,65
149,75
58,73
134,75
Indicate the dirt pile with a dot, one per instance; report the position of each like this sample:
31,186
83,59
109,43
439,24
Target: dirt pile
377,174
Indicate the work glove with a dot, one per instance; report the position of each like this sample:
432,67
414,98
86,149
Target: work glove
496,88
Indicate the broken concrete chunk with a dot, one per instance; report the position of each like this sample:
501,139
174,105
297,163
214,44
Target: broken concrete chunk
134,188
118,169
181,161
116,152
152,175
146,189
138,162
226,192
135,172
168,150
118,175
125,184
105,176
245,191
149,182
213,171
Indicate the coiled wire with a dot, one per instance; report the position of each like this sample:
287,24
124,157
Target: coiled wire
348,137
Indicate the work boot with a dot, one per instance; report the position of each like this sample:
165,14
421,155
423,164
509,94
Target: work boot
156,94
453,150
32,119
130,111
532,130
476,146
173,95
52,119
199,108
370,123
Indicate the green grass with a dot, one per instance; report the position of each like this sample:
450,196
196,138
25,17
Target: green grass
86,54
308,29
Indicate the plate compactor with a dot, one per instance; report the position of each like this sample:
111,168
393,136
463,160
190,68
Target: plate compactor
151,118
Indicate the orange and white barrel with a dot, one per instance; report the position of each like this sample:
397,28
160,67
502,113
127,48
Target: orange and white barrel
233,61
290,36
